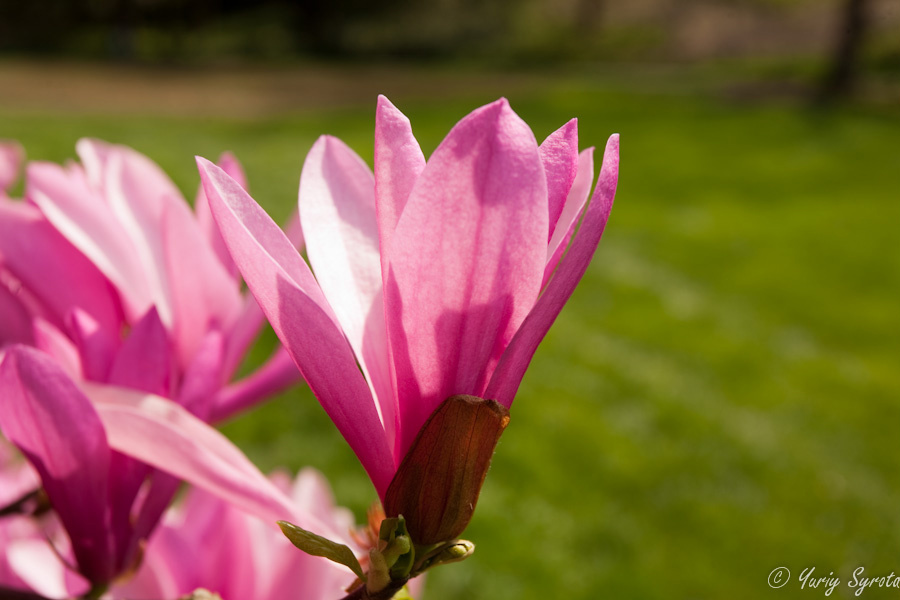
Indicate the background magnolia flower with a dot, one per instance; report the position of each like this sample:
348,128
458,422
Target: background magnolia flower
436,278
207,543
17,480
106,269
77,446
109,245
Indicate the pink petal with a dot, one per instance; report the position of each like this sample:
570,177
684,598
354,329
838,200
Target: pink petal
138,194
571,213
559,153
86,221
274,377
155,578
466,261
203,377
52,341
398,163
246,326
53,271
12,155
15,322
337,211
144,361
572,267
204,295
228,163
41,569
52,423
302,319
96,346
163,434
240,335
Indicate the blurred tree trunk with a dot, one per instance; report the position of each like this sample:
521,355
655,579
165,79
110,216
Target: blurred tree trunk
843,71
589,16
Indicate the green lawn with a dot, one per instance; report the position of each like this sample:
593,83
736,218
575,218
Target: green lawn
720,397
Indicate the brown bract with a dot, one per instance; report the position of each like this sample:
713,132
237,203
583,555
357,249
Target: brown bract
438,482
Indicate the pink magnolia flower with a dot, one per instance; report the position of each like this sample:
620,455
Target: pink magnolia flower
17,481
109,245
107,270
210,544
77,446
432,278
202,543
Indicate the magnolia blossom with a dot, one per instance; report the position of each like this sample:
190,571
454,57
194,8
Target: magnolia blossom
110,246
202,543
17,481
78,447
106,269
432,278
210,544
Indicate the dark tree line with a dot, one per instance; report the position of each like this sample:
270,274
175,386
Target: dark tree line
320,27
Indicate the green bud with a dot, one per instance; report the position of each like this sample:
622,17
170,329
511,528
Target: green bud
379,576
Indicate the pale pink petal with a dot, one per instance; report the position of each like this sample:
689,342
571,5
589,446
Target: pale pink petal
85,220
54,425
54,342
54,272
12,155
161,433
299,313
398,163
337,211
204,295
138,194
228,163
559,153
144,361
416,586
565,228
15,529
155,579
40,568
466,261
571,268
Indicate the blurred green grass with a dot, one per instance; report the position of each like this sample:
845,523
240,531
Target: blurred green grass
720,397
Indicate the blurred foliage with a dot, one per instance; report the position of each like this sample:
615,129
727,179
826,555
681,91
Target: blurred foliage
516,31
720,396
